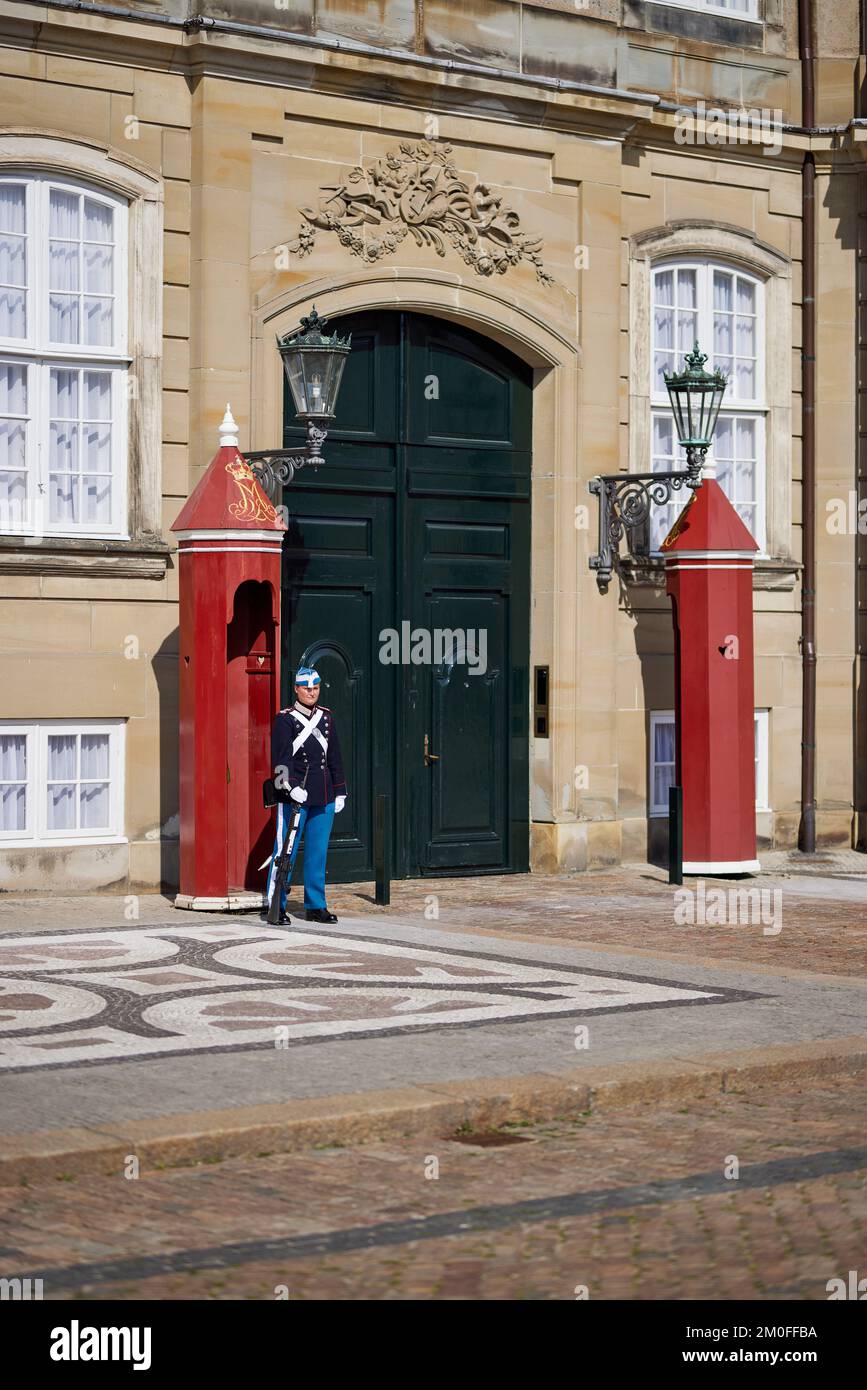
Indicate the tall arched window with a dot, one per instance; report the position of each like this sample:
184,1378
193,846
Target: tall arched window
721,307
63,357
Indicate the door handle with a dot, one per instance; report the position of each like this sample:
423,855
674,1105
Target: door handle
428,756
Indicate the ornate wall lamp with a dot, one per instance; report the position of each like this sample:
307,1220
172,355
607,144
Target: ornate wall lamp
625,499
313,363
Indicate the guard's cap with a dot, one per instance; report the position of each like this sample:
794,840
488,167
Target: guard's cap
305,675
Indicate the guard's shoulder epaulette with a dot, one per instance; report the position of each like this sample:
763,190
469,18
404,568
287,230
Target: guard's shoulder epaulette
325,709
288,710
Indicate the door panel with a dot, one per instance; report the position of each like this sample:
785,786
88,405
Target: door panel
466,698
337,581
420,515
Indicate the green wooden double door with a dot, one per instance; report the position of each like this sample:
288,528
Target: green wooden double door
406,584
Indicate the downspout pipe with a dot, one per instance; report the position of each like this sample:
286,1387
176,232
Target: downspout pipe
807,827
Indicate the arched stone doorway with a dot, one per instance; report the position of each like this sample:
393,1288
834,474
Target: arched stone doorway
407,582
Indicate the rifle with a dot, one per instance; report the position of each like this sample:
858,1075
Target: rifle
283,875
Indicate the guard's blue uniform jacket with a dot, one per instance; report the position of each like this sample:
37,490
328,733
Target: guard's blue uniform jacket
304,742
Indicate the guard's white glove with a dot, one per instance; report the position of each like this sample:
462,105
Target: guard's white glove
339,803
298,794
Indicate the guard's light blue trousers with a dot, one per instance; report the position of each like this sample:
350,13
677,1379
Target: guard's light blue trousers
315,825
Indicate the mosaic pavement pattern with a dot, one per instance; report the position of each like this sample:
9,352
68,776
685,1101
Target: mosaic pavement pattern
83,997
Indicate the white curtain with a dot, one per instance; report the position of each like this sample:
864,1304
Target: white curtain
64,508
13,438
62,750
745,344
96,448
98,274
13,782
64,266
663,756
13,261
94,791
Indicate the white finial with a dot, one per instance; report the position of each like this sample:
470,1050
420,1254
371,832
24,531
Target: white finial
228,430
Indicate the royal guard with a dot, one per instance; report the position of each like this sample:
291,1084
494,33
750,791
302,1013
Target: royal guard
308,775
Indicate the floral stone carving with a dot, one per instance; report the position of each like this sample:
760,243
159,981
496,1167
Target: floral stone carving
418,192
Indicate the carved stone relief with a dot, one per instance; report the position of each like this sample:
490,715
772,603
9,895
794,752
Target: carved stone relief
418,192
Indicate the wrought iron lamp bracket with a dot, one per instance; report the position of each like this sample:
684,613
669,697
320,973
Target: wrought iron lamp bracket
625,500
276,467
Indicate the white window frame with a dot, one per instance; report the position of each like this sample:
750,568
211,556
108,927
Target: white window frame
39,354
755,408
761,727
36,833
715,7
762,724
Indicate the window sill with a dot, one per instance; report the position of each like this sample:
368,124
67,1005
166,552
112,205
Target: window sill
43,842
648,572
85,558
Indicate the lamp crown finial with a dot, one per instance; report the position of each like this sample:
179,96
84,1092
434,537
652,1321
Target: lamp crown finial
228,430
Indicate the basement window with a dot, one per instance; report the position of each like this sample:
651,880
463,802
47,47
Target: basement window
662,756
61,782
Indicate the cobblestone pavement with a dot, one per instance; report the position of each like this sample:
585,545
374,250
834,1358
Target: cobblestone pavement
629,1205
823,919
634,908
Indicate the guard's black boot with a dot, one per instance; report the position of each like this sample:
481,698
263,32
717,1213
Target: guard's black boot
320,914
285,919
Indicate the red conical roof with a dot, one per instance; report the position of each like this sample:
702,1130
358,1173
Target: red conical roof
708,522
228,497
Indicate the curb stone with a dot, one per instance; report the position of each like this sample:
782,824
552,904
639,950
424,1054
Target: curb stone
433,1110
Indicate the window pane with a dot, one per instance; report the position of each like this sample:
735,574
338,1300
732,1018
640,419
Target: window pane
12,207
13,808
687,331
98,268
13,757
97,396
746,296
64,447
686,289
98,322
94,806
722,292
746,337
745,482
64,394
64,265
13,388
98,221
663,742
61,757
97,449
12,260
723,363
745,380
13,441
663,435
13,313
13,498
96,500
61,807
64,219
663,322
663,778
722,335
94,755
664,286
745,435
65,318
662,362
63,507
723,439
